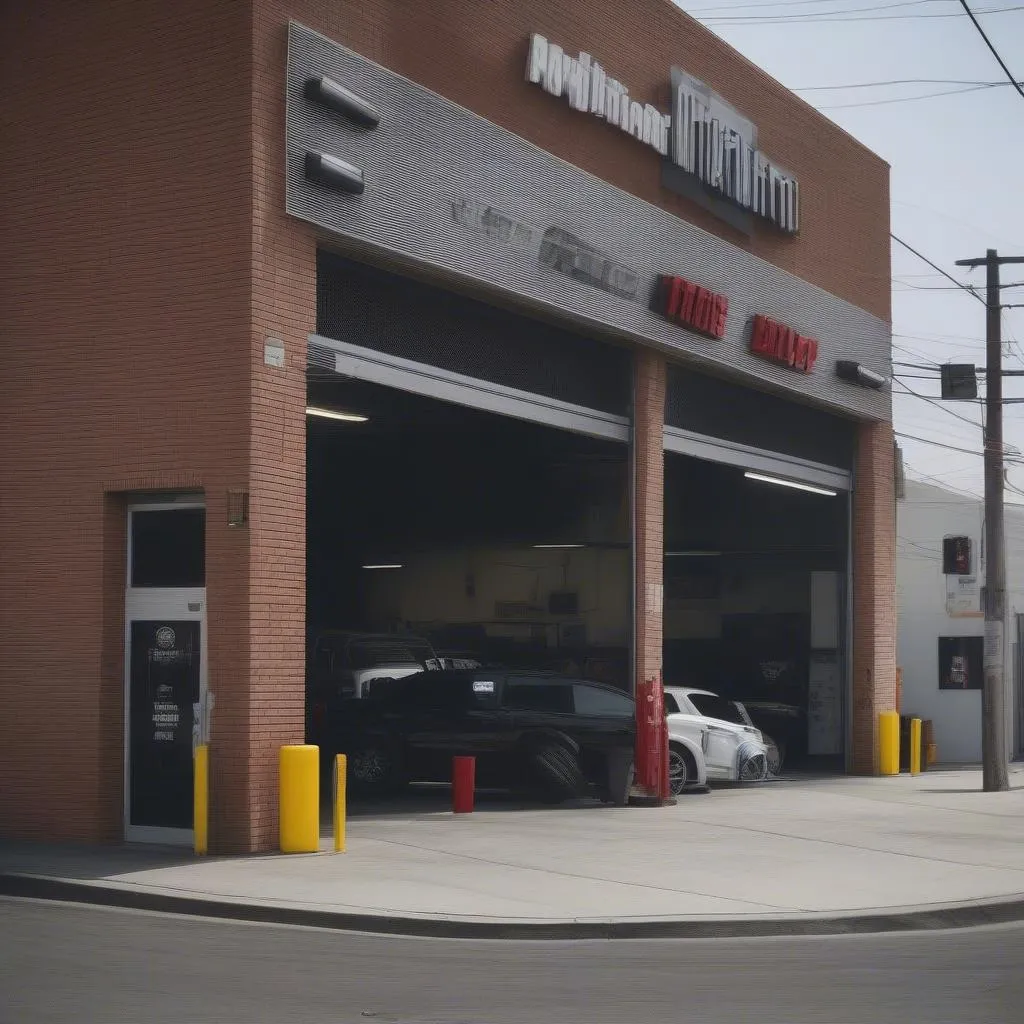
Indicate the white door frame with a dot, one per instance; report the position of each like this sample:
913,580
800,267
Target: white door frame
185,604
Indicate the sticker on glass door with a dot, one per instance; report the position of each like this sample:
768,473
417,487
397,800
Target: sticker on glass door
164,683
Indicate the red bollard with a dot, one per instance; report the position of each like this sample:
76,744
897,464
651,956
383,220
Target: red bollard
463,784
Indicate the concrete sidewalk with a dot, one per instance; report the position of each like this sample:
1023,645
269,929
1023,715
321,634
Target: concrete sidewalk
799,855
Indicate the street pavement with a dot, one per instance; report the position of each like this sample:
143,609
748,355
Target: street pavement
61,962
793,854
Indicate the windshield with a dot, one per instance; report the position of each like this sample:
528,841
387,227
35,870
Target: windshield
717,707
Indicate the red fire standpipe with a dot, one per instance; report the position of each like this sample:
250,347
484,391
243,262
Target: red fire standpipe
463,784
651,739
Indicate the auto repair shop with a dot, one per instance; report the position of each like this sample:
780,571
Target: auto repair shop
557,361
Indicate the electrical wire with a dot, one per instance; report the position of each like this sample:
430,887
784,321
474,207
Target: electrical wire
826,18
935,266
988,43
906,99
899,81
937,404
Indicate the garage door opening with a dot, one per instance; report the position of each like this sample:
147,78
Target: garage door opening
755,572
446,535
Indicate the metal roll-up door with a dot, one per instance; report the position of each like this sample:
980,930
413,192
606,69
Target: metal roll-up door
403,333
719,421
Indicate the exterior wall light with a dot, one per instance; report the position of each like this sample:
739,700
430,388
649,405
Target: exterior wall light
352,107
337,173
852,371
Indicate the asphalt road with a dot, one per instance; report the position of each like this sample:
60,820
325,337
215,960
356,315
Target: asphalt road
65,962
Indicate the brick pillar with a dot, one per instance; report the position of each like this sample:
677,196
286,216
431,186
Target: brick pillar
648,456
874,591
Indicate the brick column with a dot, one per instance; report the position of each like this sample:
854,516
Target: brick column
874,591
648,458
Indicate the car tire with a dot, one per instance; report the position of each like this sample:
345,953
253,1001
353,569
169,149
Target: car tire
374,770
682,769
557,772
776,756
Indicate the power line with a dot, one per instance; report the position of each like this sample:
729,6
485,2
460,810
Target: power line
826,17
937,444
906,99
935,266
938,405
899,81
988,43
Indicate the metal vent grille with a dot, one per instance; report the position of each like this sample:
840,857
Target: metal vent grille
406,318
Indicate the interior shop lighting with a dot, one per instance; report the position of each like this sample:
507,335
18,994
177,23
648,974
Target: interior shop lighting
385,565
790,483
557,547
333,414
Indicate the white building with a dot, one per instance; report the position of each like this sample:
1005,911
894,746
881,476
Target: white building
941,624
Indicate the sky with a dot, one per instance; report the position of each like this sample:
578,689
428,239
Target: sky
957,173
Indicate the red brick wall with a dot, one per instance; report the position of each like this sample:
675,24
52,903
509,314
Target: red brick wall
125,206
147,258
650,377
475,54
874,591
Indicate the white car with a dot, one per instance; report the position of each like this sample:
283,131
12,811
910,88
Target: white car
733,750
687,741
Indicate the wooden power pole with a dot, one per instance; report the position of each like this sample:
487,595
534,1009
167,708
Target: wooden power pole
995,772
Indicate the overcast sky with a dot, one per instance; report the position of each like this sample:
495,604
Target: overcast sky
957,171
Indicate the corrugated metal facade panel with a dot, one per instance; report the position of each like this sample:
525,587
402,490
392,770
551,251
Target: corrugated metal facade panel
454,194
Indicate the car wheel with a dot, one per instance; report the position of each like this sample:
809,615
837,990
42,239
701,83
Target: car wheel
373,769
558,773
681,769
776,755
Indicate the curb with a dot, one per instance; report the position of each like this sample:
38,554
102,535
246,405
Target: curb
968,915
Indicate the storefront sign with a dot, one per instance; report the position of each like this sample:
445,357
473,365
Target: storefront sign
692,306
704,135
781,344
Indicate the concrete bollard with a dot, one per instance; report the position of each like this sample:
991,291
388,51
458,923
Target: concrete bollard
299,791
888,743
463,784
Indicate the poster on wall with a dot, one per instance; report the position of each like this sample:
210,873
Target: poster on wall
824,706
963,597
163,687
961,662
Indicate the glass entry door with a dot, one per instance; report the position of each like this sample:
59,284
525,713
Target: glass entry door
165,663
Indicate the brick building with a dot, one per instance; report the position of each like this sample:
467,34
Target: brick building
201,230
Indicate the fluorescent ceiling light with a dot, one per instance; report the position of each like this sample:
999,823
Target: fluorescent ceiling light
790,483
385,565
331,414
558,546
692,554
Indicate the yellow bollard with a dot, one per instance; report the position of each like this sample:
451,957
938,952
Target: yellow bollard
300,798
915,746
200,798
889,743
340,780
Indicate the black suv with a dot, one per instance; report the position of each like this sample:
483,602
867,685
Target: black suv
555,736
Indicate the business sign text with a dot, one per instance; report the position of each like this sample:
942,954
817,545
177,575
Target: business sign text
781,344
692,306
703,135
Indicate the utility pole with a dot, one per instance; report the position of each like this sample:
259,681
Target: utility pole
995,773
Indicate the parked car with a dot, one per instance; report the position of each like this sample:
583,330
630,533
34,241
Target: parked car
555,736
734,750
687,746
345,665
